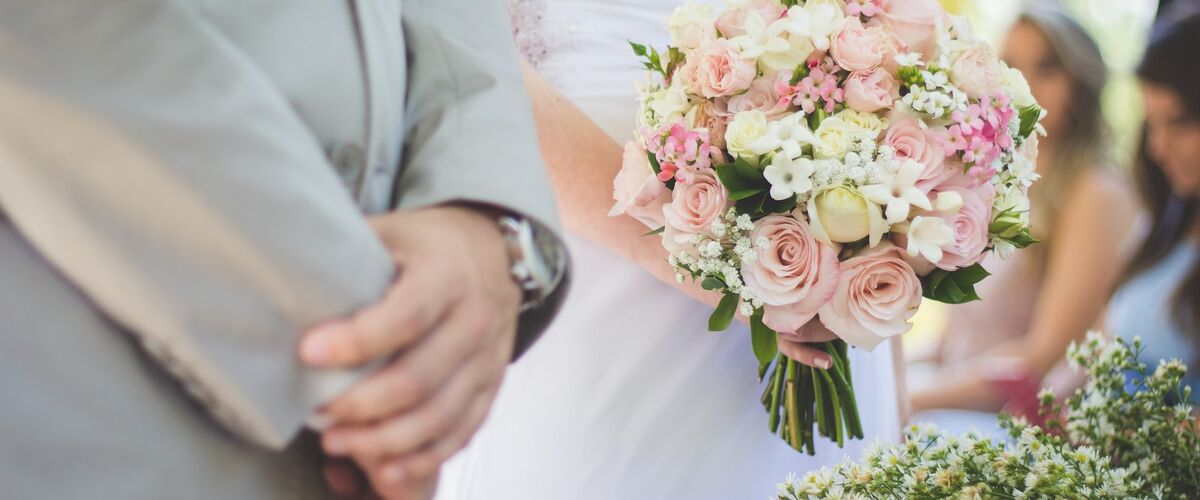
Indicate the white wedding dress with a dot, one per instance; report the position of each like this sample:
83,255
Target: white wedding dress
628,396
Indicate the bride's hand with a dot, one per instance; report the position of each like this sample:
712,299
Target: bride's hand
795,345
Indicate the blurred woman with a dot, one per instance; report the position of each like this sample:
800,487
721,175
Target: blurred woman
1159,295
996,352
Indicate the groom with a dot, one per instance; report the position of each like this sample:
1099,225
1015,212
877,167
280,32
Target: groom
182,194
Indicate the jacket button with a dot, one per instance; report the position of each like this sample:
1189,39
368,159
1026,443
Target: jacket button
350,161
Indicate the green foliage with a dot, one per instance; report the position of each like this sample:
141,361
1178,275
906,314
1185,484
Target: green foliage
953,287
723,315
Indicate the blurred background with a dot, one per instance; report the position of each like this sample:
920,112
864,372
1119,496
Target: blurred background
1116,209
1120,28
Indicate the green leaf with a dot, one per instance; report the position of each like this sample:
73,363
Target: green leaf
781,206
723,316
953,287
741,176
656,231
1024,239
638,49
711,283
763,339
1029,117
654,163
741,195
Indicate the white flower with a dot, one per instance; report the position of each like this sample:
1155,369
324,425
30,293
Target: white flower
780,46
790,134
824,19
746,128
898,192
789,176
669,104
927,236
948,202
689,23
909,59
1018,88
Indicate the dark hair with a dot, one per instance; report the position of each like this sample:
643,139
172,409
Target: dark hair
1169,62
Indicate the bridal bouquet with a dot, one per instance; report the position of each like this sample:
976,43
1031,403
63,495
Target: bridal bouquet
825,164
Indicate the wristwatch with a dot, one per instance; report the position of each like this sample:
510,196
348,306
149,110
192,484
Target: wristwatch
538,259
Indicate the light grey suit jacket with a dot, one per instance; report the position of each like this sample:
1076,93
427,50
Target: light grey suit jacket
182,189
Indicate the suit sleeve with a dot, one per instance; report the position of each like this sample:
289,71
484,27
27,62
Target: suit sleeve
162,174
470,135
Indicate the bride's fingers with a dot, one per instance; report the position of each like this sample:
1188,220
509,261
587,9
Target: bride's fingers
805,354
811,332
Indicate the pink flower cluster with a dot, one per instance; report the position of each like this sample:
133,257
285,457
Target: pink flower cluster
980,134
817,90
681,152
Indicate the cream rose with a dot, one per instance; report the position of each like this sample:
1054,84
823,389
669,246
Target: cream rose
877,294
857,48
794,274
834,138
868,124
1017,86
871,91
691,25
746,128
843,215
693,209
975,69
637,192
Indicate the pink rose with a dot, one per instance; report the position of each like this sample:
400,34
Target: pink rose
693,208
914,22
636,189
857,48
877,293
794,274
762,96
709,116
732,23
970,225
976,70
871,91
911,139
717,69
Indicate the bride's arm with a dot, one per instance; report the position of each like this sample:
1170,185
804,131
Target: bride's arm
582,161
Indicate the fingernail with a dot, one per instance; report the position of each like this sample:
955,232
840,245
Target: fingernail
823,363
317,347
336,445
393,473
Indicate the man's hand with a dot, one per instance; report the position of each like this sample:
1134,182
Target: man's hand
450,319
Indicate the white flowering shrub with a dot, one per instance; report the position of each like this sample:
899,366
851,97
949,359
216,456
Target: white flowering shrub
1128,433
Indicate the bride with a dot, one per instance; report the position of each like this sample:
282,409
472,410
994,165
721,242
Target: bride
628,396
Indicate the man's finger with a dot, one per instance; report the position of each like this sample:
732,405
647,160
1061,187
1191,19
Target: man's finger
416,375
429,460
345,480
412,307
405,433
